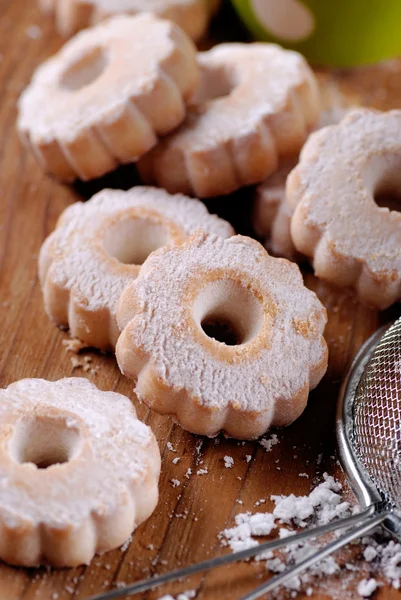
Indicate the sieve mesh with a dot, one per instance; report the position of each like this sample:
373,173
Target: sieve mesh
377,416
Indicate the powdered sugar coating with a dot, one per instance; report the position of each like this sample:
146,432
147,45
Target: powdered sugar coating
79,267
71,15
351,240
107,95
209,386
256,104
90,503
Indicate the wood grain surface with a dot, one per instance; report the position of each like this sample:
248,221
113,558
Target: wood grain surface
185,526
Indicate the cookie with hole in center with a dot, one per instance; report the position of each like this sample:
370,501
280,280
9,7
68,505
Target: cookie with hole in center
192,16
107,95
256,104
78,472
222,336
345,196
97,248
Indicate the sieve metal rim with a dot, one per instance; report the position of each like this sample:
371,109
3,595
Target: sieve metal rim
360,481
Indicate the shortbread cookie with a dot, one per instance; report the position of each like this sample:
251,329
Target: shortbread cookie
78,472
192,16
98,247
271,214
222,336
256,104
107,95
351,239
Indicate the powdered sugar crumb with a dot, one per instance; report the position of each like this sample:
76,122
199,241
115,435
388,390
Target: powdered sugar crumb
366,587
247,525
369,553
120,585
34,32
170,447
175,483
183,596
259,502
324,501
268,444
126,544
228,462
202,472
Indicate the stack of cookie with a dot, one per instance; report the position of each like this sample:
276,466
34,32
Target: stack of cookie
213,330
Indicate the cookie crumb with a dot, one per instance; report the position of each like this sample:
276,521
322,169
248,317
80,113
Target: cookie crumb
76,363
73,345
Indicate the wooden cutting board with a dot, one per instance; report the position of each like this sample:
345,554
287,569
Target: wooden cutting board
185,526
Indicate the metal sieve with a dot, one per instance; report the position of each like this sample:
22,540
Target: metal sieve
369,440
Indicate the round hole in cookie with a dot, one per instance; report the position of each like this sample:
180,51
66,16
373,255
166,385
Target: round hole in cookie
388,198
217,82
130,241
84,70
383,177
222,330
228,312
45,441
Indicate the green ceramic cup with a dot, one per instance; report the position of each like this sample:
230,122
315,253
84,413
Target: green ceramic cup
338,33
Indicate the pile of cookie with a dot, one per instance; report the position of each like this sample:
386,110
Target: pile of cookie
213,330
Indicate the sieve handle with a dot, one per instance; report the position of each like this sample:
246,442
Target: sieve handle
219,561
368,524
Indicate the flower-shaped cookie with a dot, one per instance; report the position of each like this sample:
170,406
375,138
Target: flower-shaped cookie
107,95
347,178
222,336
256,104
78,471
97,248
